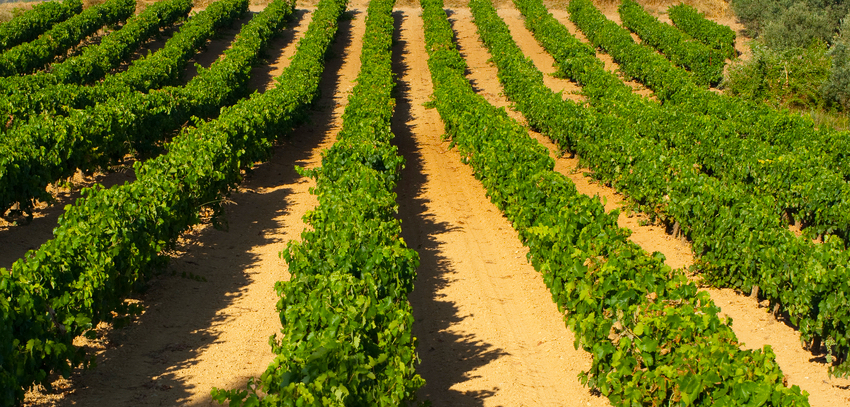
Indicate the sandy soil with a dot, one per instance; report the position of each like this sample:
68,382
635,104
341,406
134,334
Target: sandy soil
277,54
23,236
563,17
17,236
173,353
488,331
215,47
9,10
677,251
197,335
150,46
752,323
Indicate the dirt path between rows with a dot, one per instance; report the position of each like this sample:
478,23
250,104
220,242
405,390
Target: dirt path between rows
606,59
153,44
196,335
214,48
754,326
19,236
489,333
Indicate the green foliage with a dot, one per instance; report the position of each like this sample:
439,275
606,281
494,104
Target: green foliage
753,13
798,27
346,337
717,36
29,25
110,239
815,158
45,149
164,67
672,86
28,57
791,23
837,87
669,162
791,78
637,61
651,335
95,62
50,94
704,62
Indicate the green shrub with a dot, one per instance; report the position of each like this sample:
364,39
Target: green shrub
837,87
785,23
753,13
790,78
798,26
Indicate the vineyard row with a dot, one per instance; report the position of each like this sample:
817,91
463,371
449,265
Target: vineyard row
30,24
346,337
30,56
110,239
47,148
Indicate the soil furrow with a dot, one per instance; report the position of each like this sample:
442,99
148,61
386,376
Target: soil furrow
753,324
196,335
564,18
570,90
18,236
154,44
277,54
651,237
215,47
489,333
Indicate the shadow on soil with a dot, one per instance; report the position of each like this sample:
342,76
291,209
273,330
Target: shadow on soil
18,236
150,46
450,14
215,47
262,75
141,363
447,358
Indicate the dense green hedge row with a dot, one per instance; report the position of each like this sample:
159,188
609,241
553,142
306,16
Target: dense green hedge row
30,24
636,61
161,68
95,61
805,189
808,187
30,56
704,62
346,337
165,66
110,239
47,149
675,86
654,339
737,236
714,35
